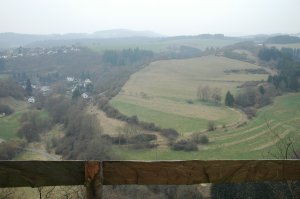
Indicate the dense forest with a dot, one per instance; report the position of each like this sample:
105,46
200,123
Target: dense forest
287,62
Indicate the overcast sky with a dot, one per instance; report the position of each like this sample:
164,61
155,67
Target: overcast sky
168,17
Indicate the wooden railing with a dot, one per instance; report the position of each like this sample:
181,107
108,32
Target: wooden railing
95,174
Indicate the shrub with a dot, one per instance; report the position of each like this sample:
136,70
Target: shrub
118,140
211,126
204,139
250,112
198,138
189,101
171,134
143,145
143,138
6,109
9,149
184,145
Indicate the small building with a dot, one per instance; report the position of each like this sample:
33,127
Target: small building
70,79
84,96
31,100
87,81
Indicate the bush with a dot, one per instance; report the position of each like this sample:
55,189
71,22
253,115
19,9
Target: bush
117,140
6,109
184,145
200,139
33,124
9,149
11,88
204,139
149,126
211,126
143,138
171,134
189,101
250,112
143,145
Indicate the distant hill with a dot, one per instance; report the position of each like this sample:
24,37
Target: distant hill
124,33
283,39
9,40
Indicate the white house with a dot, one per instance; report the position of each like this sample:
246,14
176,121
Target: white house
31,100
87,81
84,96
70,79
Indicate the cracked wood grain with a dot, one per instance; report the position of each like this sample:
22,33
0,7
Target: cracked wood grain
55,173
197,171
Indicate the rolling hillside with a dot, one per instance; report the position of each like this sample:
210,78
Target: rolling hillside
264,137
165,92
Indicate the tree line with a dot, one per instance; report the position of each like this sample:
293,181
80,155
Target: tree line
287,63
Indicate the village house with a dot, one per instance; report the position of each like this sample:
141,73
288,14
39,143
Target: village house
84,96
31,100
87,81
70,79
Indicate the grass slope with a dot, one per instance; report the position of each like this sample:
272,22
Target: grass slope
159,92
9,125
263,137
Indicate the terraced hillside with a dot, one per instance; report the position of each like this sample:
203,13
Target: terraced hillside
266,136
165,92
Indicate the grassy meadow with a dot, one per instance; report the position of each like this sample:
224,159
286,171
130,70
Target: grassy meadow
165,92
9,125
261,138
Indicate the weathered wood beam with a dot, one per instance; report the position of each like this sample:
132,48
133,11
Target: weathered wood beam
197,171
41,173
55,173
93,179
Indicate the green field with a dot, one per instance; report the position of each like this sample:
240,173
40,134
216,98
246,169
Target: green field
159,45
160,92
10,124
262,138
3,76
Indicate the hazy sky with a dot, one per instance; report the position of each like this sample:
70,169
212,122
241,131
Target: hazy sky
169,17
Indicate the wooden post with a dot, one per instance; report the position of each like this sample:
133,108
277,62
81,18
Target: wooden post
93,179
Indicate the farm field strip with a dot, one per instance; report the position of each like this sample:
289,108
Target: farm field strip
273,142
237,133
246,138
257,140
279,130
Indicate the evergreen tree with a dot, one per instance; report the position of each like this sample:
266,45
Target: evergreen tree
262,90
229,99
76,93
28,87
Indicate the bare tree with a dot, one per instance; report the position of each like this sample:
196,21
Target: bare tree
216,95
284,150
204,93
